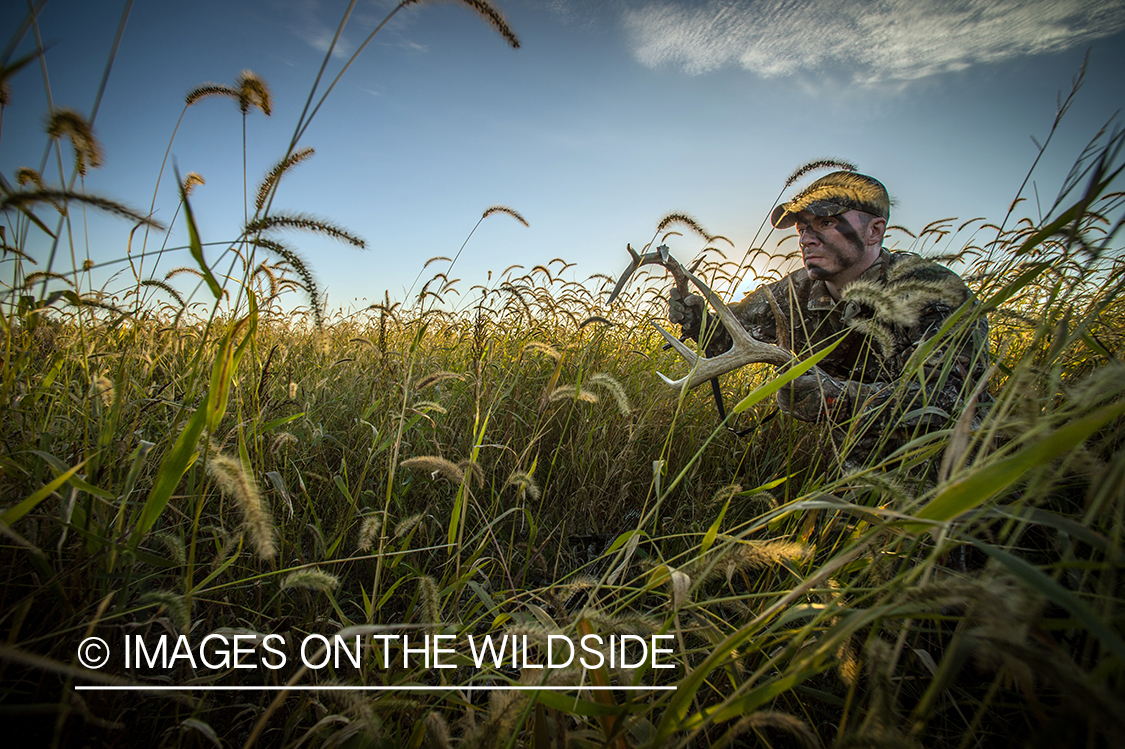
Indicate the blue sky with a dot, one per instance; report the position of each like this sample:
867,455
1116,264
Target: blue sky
609,116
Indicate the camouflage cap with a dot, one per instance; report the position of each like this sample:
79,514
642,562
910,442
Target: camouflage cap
834,194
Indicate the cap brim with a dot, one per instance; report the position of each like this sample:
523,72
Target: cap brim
781,218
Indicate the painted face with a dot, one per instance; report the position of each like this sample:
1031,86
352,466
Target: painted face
830,245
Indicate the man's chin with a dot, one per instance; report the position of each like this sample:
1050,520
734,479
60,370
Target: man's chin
817,273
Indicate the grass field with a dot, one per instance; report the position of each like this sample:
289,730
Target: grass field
501,460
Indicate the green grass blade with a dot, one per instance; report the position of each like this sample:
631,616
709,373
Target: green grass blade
771,387
172,468
195,243
982,484
1050,589
12,514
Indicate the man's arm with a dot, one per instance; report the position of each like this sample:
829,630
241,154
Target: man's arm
753,312
929,393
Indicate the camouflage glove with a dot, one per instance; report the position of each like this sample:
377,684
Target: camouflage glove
687,312
812,396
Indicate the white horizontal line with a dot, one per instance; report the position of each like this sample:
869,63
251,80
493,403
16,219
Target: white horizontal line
343,688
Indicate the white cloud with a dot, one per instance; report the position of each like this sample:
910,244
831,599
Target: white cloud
868,41
316,22
309,22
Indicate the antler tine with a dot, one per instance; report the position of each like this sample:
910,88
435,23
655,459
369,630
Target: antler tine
659,257
745,349
677,344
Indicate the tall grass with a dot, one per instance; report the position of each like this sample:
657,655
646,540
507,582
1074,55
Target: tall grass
504,461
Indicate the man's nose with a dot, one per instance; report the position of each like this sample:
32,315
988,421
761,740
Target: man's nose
806,235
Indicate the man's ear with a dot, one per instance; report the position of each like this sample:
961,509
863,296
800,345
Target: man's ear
876,229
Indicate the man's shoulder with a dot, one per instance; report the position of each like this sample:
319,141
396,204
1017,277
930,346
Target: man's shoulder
902,266
923,283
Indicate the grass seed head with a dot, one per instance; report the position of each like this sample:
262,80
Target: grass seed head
473,470
283,440
253,92
209,89
70,124
311,579
790,724
370,528
436,466
425,406
435,377
102,388
174,545
543,348
234,482
437,731
487,13
570,392
429,602
684,220
172,604
28,176
269,184
525,484
615,388
818,164
408,524
724,495
191,181
506,210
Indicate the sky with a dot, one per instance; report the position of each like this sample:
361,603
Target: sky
609,116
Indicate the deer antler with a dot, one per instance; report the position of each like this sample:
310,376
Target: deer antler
744,350
659,256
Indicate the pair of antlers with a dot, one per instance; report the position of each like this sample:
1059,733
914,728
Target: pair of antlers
744,350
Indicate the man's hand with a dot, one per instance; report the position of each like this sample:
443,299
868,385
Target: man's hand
687,312
812,396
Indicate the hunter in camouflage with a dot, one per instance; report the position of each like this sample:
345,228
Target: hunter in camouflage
885,305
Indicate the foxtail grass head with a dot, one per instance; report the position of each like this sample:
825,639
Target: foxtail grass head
238,483
66,123
253,92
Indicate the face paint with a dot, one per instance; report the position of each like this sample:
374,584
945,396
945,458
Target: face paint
848,232
831,252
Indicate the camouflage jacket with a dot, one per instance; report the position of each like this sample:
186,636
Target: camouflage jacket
896,306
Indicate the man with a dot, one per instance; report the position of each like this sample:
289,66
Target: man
884,305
